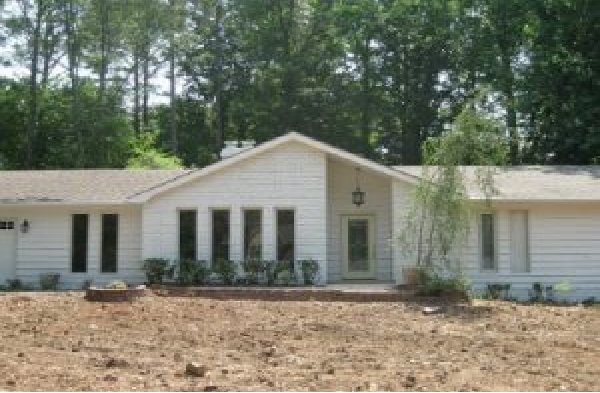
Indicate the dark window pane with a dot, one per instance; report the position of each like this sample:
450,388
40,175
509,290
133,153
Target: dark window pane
252,234
220,235
487,241
110,233
187,234
358,245
285,235
79,243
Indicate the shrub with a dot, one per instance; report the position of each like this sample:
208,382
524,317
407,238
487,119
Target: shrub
437,284
116,284
310,268
192,272
253,269
86,284
16,284
157,270
49,281
225,270
497,291
286,276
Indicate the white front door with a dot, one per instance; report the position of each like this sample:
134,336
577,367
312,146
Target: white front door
358,247
8,242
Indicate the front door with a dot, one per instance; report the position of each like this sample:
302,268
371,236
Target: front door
358,246
8,241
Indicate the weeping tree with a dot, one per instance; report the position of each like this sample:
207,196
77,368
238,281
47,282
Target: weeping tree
438,221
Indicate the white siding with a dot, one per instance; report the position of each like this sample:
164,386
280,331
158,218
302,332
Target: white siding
401,205
46,248
291,176
377,203
564,244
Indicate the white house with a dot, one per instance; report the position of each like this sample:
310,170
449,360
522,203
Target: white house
291,198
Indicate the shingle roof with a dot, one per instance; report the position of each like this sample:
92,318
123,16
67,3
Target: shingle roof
80,186
534,183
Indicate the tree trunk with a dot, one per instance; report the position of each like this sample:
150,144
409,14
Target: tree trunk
32,120
136,93
172,82
104,20
73,54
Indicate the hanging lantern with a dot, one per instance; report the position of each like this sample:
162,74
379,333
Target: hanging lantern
358,195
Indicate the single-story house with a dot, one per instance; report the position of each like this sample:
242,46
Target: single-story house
292,198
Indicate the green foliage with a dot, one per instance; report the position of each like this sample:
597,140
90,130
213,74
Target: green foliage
157,270
145,155
16,284
437,281
253,270
225,270
117,284
439,219
49,281
191,272
310,270
497,291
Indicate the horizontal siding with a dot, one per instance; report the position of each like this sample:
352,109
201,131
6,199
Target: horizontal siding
290,176
340,185
46,248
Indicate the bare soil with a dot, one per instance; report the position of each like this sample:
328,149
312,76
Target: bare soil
66,343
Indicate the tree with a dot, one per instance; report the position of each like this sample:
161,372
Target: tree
439,220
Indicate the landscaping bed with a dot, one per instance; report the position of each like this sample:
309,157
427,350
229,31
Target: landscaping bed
194,344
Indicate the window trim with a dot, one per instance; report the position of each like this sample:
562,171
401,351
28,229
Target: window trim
178,218
211,230
494,215
89,238
275,226
527,241
100,232
243,230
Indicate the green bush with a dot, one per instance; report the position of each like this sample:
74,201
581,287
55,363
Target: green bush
253,269
157,270
286,276
310,269
16,284
225,270
117,284
49,281
192,272
437,284
497,291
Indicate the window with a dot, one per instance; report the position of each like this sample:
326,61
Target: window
187,234
519,242
285,235
79,242
488,244
109,252
252,234
220,235
8,225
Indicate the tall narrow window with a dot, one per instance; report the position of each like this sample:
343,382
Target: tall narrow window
285,235
79,242
252,234
110,243
220,235
519,242
488,246
187,234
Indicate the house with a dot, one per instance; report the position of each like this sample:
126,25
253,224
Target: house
292,198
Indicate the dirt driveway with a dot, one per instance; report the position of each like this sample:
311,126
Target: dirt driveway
65,343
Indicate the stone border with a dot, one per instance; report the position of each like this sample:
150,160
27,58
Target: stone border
93,294
287,294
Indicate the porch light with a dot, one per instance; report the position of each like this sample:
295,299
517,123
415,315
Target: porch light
25,226
358,195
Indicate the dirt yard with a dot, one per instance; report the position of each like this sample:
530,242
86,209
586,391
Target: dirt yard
65,343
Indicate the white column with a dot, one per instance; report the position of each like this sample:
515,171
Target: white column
236,240
269,228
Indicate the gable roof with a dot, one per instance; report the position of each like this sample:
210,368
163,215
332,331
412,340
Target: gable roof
269,145
541,183
95,186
